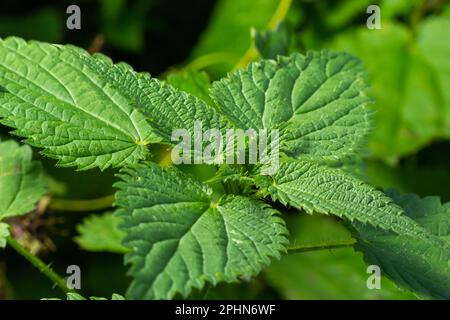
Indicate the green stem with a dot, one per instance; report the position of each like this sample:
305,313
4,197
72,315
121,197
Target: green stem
82,205
280,14
321,246
41,266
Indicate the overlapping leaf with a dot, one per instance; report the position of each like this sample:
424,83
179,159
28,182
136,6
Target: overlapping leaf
181,238
318,188
166,108
21,181
318,101
65,105
191,81
418,264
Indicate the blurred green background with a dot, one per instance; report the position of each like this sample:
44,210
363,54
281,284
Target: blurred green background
190,44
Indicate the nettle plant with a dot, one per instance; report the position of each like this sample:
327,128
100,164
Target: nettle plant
181,233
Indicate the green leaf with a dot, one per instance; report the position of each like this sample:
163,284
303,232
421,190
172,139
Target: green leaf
436,52
422,266
325,274
229,30
430,36
166,108
397,8
101,233
21,180
4,233
193,82
317,101
410,90
182,238
124,24
344,12
317,188
60,103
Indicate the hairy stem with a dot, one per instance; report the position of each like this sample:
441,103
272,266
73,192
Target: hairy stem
321,246
277,18
39,264
82,205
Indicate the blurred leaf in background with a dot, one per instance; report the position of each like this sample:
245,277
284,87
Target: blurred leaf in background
409,81
272,43
228,32
101,233
326,274
417,264
425,173
193,82
123,23
344,12
254,289
46,24
397,8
